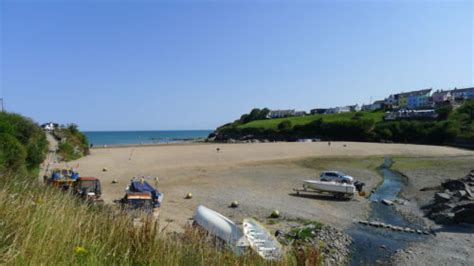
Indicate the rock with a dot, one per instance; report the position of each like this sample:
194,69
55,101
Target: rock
383,247
448,206
453,185
464,216
469,192
104,169
387,202
376,224
363,222
461,193
279,232
431,188
275,214
189,195
442,197
443,217
398,228
234,204
115,181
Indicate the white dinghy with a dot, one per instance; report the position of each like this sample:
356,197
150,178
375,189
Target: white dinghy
261,240
221,227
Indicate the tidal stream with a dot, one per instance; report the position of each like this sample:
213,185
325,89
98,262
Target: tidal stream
375,245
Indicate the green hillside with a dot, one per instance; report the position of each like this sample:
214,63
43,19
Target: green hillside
452,126
303,120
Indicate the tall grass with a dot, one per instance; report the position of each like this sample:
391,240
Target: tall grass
43,225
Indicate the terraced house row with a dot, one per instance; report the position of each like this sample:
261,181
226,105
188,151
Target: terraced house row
427,98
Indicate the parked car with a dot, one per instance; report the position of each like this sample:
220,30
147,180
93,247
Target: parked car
336,176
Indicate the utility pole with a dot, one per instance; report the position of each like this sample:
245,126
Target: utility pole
1,105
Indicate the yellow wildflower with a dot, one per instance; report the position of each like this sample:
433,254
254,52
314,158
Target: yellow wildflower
80,250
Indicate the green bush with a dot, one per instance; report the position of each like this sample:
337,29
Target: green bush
26,138
285,126
73,143
12,155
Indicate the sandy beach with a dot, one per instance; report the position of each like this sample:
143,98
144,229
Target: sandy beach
260,176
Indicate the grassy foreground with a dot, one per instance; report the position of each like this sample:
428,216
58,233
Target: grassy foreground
42,225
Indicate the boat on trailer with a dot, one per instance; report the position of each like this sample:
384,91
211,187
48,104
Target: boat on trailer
338,190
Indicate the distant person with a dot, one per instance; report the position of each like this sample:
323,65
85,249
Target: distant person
218,149
92,145
329,143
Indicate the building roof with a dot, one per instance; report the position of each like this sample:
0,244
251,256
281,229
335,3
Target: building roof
379,102
289,110
436,93
414,93
463,89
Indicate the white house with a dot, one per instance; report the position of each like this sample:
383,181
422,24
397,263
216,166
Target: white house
338,110
354,108
300,113
440,97
49,126
281,113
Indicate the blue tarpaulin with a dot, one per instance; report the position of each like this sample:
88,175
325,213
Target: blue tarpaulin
138,186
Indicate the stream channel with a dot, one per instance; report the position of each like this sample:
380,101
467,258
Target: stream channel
375,245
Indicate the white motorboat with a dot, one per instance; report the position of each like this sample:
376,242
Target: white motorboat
329,186
261,240
221,227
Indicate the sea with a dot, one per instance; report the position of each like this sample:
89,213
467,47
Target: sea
100,138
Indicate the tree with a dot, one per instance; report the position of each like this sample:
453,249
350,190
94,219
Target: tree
264,113
467,109
285,126
73,128
444,112
254,114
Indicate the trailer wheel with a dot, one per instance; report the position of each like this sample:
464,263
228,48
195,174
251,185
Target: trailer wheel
339,195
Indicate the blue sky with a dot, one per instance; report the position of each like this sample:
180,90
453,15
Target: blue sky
125,65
